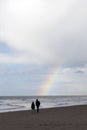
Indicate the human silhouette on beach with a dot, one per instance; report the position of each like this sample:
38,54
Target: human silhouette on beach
37,105
33,107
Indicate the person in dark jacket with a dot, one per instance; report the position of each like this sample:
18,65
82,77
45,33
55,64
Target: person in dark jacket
33,107
37,105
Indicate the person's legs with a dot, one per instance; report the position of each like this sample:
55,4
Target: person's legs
37,109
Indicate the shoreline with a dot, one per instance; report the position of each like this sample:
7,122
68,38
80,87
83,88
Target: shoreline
12,111
60,118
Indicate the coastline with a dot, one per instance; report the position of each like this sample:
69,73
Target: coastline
60,118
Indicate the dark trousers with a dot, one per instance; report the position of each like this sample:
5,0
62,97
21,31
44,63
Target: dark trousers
37,109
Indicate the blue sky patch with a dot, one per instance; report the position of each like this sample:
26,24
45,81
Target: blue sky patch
5,48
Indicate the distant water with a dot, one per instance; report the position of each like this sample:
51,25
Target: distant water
23,103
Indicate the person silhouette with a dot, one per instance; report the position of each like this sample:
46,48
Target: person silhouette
33,107
37,105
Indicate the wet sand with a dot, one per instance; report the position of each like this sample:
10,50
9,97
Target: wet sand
65,118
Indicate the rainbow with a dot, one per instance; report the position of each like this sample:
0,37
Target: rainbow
50,81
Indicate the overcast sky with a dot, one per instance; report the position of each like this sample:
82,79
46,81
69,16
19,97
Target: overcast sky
37,36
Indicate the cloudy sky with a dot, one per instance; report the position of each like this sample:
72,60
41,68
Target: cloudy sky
37,36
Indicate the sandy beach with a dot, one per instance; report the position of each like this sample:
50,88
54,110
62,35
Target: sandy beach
65,118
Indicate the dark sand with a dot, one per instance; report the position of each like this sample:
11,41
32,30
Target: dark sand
65,118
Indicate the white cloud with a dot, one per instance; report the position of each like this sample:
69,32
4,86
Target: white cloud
12,59
47,32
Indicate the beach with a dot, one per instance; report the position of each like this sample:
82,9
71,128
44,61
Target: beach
62,118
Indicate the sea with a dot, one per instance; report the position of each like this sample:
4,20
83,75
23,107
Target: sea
19,103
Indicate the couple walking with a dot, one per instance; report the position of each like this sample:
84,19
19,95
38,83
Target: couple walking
37,104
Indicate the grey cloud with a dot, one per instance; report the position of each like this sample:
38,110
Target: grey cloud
79,72
53,38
